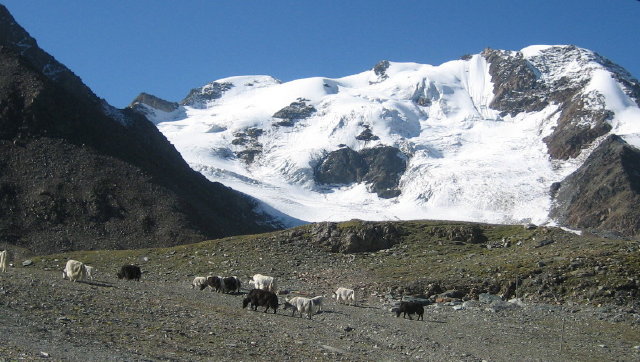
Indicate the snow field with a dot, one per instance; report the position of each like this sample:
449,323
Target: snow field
465,161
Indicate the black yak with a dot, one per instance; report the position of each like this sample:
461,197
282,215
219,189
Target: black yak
410,308
130,272
261,298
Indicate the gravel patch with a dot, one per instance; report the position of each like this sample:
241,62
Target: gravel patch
162,318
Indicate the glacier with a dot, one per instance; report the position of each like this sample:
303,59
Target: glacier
465,160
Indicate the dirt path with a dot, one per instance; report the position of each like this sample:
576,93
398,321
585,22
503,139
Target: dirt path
163,319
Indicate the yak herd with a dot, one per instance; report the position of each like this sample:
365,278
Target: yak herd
263,292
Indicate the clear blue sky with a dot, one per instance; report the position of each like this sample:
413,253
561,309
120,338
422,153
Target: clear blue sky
123,47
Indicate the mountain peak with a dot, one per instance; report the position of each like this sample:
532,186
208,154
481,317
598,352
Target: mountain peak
12,34
16,38
200,97
155,102
477,139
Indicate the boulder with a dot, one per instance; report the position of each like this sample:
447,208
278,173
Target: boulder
421,301
355,236
471,304
487,298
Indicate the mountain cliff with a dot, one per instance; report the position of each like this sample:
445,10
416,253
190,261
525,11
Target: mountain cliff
484,138
76,173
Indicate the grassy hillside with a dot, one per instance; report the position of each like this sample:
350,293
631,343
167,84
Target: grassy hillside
428,258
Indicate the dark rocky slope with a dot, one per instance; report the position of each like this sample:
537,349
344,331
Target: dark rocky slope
76,173
604,193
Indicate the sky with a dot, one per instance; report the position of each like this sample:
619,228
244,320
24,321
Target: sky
121,48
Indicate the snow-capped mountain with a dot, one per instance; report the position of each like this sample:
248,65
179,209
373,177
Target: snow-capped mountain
483,138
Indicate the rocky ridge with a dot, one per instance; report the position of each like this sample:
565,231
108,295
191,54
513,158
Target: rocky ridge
198,97
530,85
153,102
76,173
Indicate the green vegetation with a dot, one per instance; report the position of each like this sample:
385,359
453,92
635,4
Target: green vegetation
548,264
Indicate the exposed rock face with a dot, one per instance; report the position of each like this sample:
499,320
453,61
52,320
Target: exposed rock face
76,173
380,167
295,111
604,193
425,94
380,69
520,88
572,135
248,143
516,85
355,236
198,97
153,102
367,135
343,166
386,166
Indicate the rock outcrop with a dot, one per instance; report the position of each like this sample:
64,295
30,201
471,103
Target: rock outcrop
367,135
380,69
198,97
467,233
295,111
379,167
355,236
247,142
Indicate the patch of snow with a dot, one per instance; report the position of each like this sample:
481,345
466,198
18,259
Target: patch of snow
535,50
158,116
626,121
24,45
52,70
577,232
114,113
